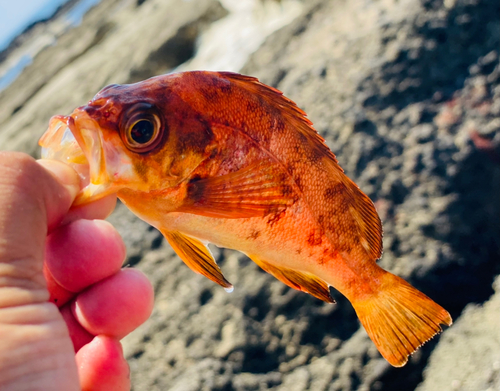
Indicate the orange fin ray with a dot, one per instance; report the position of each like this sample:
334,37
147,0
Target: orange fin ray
399,319
197,256
253,191
302,281
367,219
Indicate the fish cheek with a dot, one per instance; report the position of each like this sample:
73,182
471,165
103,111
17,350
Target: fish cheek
192,141
141,169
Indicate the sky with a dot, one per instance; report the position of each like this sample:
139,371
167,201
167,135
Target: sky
16,15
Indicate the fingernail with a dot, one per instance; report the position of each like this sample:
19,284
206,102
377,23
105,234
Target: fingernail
64,174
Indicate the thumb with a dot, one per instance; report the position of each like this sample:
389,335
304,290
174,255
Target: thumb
34,198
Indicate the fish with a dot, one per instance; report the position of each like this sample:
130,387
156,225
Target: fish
219,157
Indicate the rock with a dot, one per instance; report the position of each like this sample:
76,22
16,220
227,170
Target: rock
468,354
405,93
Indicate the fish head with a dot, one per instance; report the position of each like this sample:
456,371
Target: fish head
141,137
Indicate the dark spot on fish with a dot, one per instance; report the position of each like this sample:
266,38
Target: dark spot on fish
196,188
273,209
275,217
321,219
298,251
331,227
254,235
315,238
298,181
280,125
221,84
213,153
334,191
282,176
141,169
226,88
210,94
302,137
286,191
197,135
316,154
252,106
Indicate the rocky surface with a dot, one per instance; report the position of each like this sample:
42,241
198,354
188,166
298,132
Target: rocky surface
407,95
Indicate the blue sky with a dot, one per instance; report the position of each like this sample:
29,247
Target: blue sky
16,15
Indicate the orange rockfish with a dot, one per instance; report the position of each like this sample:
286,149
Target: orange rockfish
219,157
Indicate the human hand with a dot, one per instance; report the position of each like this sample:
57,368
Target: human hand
74,345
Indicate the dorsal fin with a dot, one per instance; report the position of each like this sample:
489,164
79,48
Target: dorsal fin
294,115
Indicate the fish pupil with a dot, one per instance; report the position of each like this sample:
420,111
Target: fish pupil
142,131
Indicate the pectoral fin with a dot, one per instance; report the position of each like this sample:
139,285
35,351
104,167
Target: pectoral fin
299,280
197,256
254,191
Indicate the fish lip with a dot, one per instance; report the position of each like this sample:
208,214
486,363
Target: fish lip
95,181
86,131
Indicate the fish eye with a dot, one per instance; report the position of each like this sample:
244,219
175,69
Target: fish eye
142,132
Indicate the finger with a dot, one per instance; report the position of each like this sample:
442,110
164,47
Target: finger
34,199
82,253
99,209
58,204
115,306
58,295
101,366
79,336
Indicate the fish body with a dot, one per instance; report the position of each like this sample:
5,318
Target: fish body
219,157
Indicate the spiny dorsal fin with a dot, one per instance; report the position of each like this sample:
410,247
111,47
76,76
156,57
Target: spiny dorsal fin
302,281
295,116
197,256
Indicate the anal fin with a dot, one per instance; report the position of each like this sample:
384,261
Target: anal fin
302,281
197,256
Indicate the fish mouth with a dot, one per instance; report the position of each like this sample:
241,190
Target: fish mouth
76,141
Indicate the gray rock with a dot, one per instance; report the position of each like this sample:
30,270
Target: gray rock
468,356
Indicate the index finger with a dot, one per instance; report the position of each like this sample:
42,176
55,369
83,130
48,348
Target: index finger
79,254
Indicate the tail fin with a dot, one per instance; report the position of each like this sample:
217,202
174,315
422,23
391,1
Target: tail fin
399,319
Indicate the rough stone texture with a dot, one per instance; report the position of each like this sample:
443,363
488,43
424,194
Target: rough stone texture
407,95
474,342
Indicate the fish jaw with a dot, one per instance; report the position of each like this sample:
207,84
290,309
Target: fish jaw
77,140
